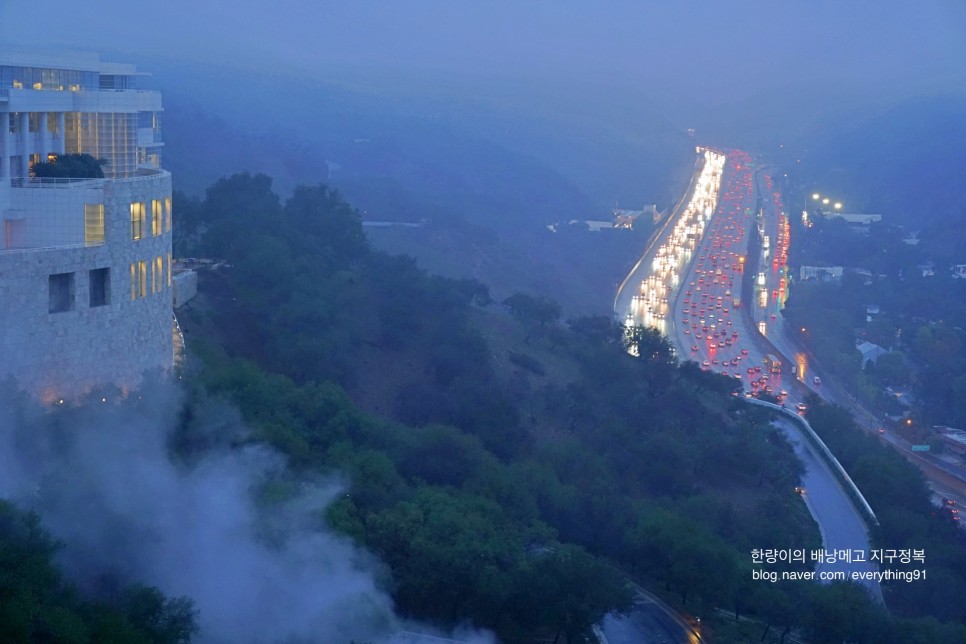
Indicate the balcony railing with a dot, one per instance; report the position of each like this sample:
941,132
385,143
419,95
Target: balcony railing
55,182
143,174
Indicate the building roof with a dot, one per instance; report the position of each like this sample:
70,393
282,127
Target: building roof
73,60
853,218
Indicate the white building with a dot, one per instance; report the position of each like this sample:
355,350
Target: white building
870,351
820,273
85,264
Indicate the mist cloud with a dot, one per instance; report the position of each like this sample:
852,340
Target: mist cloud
101,479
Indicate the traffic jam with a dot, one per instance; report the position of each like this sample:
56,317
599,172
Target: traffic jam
700,268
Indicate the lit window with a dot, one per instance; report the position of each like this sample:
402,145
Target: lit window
169,270
93,223
157,275
137,220
139,279
167,214
156,215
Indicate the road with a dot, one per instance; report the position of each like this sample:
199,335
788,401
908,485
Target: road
946,479
630,286
643,297
650,620
725,302
839,521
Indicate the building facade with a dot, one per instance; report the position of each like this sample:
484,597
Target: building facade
85,264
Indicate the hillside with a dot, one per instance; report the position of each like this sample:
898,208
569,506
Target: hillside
427,394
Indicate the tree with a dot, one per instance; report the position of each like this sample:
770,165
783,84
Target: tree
569,590
535,313
71,166
892,369
165,621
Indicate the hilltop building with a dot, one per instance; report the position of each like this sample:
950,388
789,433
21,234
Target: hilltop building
85,263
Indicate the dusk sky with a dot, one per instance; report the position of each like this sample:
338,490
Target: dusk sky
734,48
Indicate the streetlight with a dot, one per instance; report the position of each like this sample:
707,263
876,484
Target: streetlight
825,201
816,196
838,205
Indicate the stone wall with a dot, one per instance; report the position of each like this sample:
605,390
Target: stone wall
65,353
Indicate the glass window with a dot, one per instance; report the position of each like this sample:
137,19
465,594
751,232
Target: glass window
137,220
156,217
167,214
157,275
93,223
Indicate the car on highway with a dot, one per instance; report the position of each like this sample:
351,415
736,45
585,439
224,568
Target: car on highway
816,380
801,407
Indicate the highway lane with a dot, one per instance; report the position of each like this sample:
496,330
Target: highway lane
631,284
839,521
644,296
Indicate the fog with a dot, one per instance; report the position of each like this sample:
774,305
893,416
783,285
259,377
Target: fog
101,478
721,51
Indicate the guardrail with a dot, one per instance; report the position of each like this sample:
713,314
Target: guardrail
850,486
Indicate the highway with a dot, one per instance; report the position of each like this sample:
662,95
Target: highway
643,297
629,287
946,479
840,523
719,303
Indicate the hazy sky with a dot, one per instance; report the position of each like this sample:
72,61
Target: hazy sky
732,47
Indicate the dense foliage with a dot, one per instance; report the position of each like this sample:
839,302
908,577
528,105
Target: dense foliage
530,475
919,319
898,494
70,166
37,605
